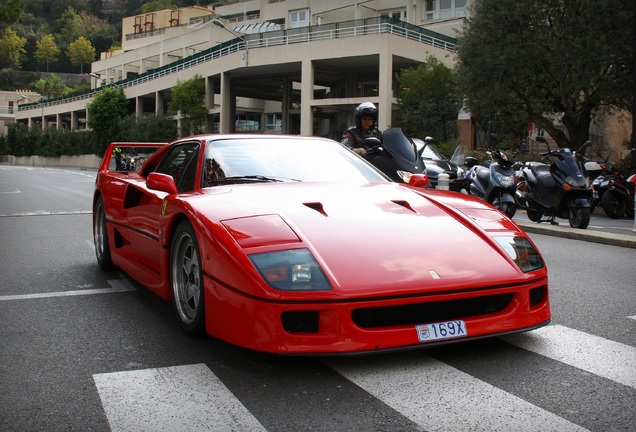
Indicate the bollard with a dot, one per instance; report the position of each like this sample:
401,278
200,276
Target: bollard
443,181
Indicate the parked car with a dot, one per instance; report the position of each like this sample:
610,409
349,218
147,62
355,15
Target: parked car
436,163
296,245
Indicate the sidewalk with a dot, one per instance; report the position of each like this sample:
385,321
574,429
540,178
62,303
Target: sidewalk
616,232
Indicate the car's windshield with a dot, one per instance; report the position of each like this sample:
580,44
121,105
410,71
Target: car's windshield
283,159
431,152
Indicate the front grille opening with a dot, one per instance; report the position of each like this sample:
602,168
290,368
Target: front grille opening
421,313
538,295
300,321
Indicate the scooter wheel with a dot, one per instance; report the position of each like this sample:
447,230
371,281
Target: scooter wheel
579,217
534,215
613,206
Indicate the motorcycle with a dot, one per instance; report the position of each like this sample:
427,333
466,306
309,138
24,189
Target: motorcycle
437,164
396,155
613,193
494,182
556,189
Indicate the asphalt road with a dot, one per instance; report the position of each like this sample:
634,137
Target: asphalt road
86,350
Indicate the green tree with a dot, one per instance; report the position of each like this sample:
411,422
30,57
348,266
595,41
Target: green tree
188,100
11,49
548,59
105,111
157,5
10,11
428,102
81,52
47,51
51,87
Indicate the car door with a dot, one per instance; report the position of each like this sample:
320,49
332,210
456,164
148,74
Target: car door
144,217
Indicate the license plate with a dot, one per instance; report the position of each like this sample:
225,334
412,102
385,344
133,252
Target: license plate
442,330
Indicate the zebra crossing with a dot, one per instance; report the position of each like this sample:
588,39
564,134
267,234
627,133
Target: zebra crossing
432,394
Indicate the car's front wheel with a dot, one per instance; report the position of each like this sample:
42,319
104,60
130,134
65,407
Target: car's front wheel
100,236
186,280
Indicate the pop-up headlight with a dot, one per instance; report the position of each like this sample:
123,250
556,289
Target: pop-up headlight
522,252
291,270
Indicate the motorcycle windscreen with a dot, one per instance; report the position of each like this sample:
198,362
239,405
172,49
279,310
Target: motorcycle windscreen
402,148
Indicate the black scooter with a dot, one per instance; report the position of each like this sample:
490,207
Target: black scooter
558,189
494,183
396,155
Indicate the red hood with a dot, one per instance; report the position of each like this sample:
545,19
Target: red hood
379,235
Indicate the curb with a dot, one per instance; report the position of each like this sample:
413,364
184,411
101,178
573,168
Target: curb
622,240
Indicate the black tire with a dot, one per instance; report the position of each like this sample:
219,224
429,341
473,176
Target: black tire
100,236
579,217
534,215
613,205
186,280
508,208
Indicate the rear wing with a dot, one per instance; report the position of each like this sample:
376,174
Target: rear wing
128,156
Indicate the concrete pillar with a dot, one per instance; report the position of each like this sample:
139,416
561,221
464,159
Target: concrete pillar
159,102
139,107
286,120
74,121
209,103
385,90
306,96
226,120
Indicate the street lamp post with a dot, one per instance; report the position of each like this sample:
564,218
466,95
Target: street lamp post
218,23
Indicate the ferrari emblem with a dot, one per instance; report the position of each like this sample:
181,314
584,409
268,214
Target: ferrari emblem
163,207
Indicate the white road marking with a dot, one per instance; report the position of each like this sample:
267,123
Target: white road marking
441,398
632,317
594,354
48,213
179,398
117,286
17,191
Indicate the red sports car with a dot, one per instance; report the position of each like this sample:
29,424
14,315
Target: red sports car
296,245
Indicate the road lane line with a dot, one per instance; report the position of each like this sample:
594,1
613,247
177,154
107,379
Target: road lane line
117,286
441,398
594,354
179,398
48,213
632,317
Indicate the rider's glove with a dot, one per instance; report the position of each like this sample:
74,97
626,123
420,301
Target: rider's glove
359,150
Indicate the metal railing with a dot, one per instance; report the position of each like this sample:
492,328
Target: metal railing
346,29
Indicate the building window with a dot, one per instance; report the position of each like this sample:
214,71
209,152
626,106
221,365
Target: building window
395,14
299,18
430,10
273,122
444,9
247,122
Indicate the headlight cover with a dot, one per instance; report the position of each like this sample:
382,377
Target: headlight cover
504,180
521,251
291,270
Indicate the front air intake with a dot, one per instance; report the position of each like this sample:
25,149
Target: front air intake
300,321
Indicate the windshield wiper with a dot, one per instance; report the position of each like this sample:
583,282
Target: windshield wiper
248,179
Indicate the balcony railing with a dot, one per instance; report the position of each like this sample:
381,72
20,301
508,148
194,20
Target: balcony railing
346,29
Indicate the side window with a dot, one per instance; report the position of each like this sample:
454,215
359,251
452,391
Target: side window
181,163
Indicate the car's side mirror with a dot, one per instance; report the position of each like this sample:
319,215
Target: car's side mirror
418,180
161,182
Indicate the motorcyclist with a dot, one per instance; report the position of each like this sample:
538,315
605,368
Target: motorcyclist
366,116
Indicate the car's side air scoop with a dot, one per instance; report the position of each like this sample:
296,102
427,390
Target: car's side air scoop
404,204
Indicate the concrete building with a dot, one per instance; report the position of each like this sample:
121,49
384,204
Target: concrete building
275,66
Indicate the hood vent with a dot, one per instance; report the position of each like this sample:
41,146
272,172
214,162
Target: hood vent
404,204
316,206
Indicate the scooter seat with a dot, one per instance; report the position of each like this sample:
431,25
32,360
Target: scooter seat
543,175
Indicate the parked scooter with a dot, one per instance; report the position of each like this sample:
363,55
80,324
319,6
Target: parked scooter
495,182
396,155
613,192
558,189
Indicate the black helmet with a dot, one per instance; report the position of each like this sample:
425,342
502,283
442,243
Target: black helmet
366,109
